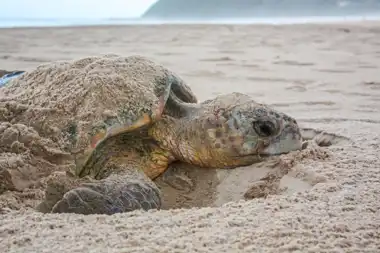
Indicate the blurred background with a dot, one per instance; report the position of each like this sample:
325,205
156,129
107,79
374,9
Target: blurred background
86,12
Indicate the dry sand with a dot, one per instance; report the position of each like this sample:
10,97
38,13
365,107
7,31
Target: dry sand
322,199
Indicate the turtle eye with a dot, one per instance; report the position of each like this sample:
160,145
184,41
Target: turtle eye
264,128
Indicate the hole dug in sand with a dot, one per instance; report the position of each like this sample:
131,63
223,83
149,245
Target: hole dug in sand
285,174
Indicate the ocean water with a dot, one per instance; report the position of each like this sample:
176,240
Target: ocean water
23,22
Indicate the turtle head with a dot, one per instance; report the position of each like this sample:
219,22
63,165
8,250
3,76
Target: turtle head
263,130
243,133
228,131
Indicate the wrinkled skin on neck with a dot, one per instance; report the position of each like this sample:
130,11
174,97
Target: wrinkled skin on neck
229,131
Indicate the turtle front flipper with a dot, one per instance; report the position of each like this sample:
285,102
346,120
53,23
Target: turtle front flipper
176,177
127,188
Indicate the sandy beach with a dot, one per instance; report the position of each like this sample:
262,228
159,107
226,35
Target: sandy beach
326,198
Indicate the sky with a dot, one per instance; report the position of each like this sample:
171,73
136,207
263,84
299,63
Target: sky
73,8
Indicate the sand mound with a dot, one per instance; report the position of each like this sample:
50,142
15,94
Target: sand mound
26,159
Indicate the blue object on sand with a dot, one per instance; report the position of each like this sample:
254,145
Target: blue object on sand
5,79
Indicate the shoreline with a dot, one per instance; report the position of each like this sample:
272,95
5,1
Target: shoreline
275,21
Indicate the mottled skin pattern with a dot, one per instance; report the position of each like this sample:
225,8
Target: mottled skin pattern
124,120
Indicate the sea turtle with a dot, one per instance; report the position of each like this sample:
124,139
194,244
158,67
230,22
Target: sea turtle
123,120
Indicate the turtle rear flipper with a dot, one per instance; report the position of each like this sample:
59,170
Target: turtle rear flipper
127,188
115,194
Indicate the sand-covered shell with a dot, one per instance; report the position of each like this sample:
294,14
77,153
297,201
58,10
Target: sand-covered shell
80,103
